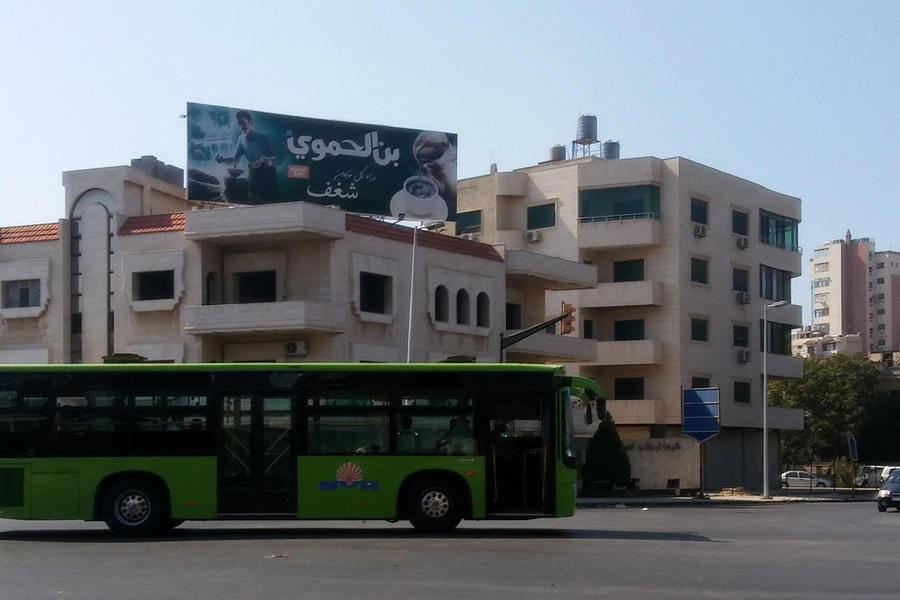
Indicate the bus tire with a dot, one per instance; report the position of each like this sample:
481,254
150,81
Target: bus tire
135,506
435,505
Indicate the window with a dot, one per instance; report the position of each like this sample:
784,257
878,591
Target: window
628,270
742,392
740,222
740,280
629,202
628,330
880,311
468,222
374,293
880,327
820,267
879,265
820,312
820,298
513,316
777,230
540,216
255,286
629,388
482,310
699,382
829,346
441,304
879,280
779,337
740,335
774,284
153,285
462,307
588,329
699,211
23,293
347,434
699,270
700,330
821,282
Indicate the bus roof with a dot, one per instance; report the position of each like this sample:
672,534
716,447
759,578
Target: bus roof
285,367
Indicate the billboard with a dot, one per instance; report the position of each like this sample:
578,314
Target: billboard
252,157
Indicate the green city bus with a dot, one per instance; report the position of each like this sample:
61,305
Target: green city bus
146,446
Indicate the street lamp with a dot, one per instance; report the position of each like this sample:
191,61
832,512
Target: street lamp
412,280
765,400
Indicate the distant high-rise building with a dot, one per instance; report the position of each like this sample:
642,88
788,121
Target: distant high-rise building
856,290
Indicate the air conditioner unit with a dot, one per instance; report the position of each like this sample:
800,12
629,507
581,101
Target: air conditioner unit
468,236
533,235
742,242
742,297
744,355
699,231
296,348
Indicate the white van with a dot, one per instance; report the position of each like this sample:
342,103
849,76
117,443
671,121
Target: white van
885,473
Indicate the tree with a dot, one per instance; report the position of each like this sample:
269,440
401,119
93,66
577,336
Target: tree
606,458
835,395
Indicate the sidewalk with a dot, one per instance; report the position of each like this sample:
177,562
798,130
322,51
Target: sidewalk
731,499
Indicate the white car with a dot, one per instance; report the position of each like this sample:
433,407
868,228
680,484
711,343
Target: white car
803,479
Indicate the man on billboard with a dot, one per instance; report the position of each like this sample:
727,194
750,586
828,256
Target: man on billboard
257,149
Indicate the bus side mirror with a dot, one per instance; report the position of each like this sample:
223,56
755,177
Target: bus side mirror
588,414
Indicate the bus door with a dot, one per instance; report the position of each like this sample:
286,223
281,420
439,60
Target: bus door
519,459
257,469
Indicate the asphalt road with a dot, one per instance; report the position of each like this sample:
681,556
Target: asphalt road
795,550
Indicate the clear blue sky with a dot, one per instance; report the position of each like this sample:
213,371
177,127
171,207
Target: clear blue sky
801,97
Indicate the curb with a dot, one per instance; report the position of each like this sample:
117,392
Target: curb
705,502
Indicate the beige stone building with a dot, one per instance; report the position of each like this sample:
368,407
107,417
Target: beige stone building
135,267
687,258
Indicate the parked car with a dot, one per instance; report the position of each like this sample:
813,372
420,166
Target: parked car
889,494
869,476
803,479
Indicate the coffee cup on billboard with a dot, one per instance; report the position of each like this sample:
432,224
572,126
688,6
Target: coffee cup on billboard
419,198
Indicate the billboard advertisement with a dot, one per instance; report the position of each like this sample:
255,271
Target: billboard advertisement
238,156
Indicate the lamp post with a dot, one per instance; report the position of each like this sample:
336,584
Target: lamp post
412,280
765,400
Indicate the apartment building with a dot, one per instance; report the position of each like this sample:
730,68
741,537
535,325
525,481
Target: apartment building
134,267
856,290
689,261
885,298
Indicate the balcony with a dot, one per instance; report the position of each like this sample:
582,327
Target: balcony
548,271
270,222
788,367
619,231
545,347
266,317
632,352
621,294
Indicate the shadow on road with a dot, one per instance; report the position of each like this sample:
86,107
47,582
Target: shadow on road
187,534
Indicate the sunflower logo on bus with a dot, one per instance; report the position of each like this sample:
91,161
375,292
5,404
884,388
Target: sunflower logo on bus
348,475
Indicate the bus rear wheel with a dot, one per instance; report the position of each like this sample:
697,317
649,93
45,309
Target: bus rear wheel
435,505
135,507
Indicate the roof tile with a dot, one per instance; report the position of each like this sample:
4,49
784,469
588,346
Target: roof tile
21,234
153,224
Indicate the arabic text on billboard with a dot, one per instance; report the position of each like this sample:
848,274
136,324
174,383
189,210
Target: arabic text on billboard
251,157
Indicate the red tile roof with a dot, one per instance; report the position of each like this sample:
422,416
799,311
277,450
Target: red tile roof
153,224
46,232
427,239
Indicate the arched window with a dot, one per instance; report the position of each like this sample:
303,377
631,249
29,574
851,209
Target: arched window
441,304
462,307
482,310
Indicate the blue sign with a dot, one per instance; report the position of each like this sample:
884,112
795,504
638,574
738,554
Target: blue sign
700,413
851,441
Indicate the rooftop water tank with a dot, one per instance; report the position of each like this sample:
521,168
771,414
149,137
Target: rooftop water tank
587,129
557,153
609,150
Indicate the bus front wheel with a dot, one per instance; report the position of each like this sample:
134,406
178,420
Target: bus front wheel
134,506
435,505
